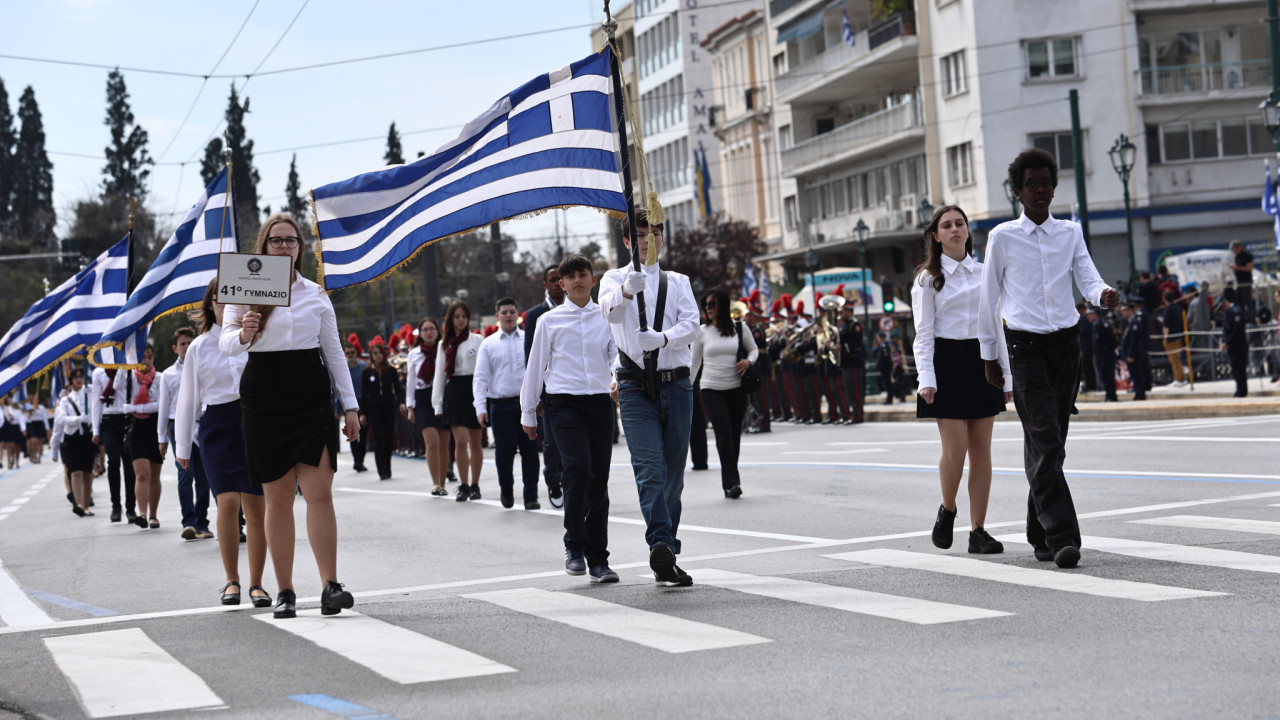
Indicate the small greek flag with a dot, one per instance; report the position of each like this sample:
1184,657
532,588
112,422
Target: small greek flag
72,316
1270,203
848,29
748,280
177,279
548,144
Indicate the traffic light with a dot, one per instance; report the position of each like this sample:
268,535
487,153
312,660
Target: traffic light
887,289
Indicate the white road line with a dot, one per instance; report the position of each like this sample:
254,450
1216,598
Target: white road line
863,602
20,501
1017,470
1175,505
1186,438
395,653
1201,522
17,609
763,444
653,630
1047,579
1185,554
833,452
123,672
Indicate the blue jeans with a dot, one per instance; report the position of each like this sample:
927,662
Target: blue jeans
193,488
658,437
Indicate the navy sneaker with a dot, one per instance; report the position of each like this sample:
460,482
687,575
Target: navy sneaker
602,574
574,562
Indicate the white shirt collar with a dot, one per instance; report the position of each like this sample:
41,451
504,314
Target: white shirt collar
949,265
1029,227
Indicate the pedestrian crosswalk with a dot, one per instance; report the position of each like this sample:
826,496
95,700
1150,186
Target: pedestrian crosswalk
1199,522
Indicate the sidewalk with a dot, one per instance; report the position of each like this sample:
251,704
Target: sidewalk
1208,399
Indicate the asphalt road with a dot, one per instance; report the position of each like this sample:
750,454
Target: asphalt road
818,594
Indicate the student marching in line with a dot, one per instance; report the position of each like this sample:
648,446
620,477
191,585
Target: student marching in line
421,373
953,391
141,439
193,485
572,360
209,396
110,391
74,440
381,397
452,395
496,385
290,443
37,431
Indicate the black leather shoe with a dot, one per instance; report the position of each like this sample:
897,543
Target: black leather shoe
1043,554
556,496
1067,556
475,491
734,492
77,510
115,516
139,521
334,599
231,598
944,528
260,601
286,605
508,496
71,498
131,515
532,505
981,542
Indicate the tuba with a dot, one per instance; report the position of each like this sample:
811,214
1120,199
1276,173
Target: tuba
829,335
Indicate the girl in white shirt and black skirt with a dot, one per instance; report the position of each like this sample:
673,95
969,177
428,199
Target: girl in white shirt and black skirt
294,355
76,448
451,394
421,376
953,386
144,451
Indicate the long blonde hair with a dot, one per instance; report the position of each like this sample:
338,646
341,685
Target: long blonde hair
263,233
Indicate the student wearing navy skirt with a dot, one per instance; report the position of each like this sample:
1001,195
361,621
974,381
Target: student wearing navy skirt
421,374
211,380
953,387
295,357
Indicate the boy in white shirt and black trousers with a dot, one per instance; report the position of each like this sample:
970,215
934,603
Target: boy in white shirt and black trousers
572,358
500,370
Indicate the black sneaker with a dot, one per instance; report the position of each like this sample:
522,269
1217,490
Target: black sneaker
944,528
1043,554
508,497
556,496
683,579
475,491
602,574
464,493
115,515
574,563
662,560
1067,556
286,605
532,504
982,543
333,599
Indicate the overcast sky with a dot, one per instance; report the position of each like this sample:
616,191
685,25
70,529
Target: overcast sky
428,95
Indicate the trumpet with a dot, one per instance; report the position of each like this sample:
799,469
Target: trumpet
790,354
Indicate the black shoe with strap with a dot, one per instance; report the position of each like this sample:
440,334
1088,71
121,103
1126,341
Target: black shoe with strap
286,605
231,598
260,601
333,599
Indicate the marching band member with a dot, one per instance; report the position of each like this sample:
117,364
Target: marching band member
422,373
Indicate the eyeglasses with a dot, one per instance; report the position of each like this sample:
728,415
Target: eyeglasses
279,242
1035,185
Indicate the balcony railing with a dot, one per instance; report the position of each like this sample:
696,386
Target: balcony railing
839,54
850,136
886,30
1204,78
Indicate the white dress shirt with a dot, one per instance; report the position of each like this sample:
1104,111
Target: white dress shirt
208,378
572,354
1027,276
309,322
680,320
120,395
950,313
73,415
417,356
56,432
464,363
499,368
716,355
168,382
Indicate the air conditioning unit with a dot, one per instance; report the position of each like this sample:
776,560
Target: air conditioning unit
896,220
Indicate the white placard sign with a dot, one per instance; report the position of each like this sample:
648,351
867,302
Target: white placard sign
245,279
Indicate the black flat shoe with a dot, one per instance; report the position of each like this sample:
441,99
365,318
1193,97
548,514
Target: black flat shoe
77,510
139,521
944,528
231,598
333,599
286,605
734,492
260,601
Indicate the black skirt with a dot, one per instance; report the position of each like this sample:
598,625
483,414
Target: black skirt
424,415
10,433
78,452
458,407
144,443
221,439
36,429
963,390
287,413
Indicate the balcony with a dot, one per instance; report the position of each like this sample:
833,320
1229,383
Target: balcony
896,26
1182,82
880,55
850,139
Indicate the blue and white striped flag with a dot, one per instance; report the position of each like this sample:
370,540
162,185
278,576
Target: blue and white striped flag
177,279
548,144
72,316
748,280
847,29
1270,201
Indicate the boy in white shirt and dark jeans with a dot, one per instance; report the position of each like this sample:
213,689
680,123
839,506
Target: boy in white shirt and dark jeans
572,358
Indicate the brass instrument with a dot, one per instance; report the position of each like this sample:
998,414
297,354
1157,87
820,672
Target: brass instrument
829,335
790,353
399,360
737,310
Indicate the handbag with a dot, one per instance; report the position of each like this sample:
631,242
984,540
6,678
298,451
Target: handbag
751,380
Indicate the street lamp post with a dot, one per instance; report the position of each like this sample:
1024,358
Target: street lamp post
860,231
1012,197
811,263
1123,154
924,213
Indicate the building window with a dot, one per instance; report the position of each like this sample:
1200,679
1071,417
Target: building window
789,210
960,164
954,80
1057,144
1051,58
784,136
1177,142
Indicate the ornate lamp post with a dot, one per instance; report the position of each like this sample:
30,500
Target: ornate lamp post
1123,154
924,213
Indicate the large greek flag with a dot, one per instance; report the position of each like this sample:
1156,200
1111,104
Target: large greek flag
178,277
67,319
548,144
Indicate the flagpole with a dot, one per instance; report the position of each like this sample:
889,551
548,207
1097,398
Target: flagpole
128,285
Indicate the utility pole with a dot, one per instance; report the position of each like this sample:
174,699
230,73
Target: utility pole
1077,149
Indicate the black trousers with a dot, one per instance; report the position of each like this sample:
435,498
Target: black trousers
698,431
382,424
1105,367
1140,376
359,447
584,436
851,380
727,409
509,438
1087,370
1239,358
112,432
1046,376
552,468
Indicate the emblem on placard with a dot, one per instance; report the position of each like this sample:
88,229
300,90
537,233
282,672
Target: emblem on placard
254,265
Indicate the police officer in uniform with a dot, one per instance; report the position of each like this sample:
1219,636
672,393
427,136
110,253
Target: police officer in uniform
1086,347
1134,347
1235,342
1104,353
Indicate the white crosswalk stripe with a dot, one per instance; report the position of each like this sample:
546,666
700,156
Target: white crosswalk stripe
654,630
1186,554
395,653
1201,522
893,607
16,607
1048,579
123,672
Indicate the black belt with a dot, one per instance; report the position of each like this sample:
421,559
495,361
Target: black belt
1056,336
505,400
663,375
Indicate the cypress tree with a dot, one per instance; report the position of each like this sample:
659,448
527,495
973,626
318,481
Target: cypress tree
126,172
395,153
244,176
294,204
8,139
33,214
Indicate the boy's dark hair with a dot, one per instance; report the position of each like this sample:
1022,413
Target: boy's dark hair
505,301
548,270
573,263
1028,159
1168,296
181,332
642,221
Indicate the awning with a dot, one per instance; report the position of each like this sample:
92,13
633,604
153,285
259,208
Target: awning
806,25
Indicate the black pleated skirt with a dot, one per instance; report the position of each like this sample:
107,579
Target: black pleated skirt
424,415
963,390
287,413
78,452
458,399
144,443
221,439
10,433
36,429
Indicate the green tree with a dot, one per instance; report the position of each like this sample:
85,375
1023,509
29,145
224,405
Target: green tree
244,176
713,253
33,214
8,139
126,172
294,204
395,152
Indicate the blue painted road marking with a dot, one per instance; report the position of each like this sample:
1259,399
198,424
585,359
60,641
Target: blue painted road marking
69,603
342,708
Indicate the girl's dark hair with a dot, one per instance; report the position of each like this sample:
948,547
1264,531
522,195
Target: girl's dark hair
434,322
1028,159
721,321
204,317
381,349
573,263
933,249
447,333
74,372
264,233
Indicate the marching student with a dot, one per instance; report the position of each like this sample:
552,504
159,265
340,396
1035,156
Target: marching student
421,371
193,486
496,388
381,396
572,360
74,440
944,302
656,422
550,456
451,394
210,390
294,356
144,452
723,352
1030,266
112,389
37,431
10,432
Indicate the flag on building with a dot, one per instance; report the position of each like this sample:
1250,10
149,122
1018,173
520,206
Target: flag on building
1270,202
702,181
847,29
74,315
176,281
748,280
548,144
